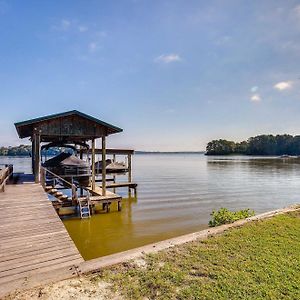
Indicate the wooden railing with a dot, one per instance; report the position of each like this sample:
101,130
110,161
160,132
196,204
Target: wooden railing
56,179
5,174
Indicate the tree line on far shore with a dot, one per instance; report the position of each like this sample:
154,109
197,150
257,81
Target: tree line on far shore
24,150
284,144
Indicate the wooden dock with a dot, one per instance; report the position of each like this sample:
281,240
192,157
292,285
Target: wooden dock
97,195
33,240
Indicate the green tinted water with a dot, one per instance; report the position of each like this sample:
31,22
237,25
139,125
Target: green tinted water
107,233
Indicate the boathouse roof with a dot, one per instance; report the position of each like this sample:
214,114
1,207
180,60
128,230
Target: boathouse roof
67,126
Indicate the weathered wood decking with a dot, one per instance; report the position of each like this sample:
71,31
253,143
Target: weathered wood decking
33,240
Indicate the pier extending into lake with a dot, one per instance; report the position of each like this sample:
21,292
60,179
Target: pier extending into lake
33,239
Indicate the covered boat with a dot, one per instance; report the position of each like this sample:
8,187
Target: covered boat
69,167
111,167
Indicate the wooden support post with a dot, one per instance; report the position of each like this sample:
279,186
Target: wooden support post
93,165
129,174
114,176
37,154
103,166
74,195
129,168
32,153
43,177
106,206
80,152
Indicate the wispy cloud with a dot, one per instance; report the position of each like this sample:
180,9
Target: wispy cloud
223,40
283,85
101,34
63,25
92,46
255,98
254,89
297,11
170,110
168,58
82,28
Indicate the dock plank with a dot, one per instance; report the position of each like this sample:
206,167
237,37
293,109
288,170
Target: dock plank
33,239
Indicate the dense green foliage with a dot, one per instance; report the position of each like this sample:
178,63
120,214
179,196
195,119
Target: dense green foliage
225,216
24,150
258,145
259,260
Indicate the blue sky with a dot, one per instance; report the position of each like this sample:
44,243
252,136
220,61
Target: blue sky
172,74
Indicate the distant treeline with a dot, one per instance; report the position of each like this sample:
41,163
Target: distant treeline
24,150
258,145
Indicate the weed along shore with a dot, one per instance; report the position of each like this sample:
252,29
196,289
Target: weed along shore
254,258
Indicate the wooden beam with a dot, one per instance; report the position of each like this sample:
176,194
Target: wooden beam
129,169
32,153
80,153
93,165
103,166
129,174
37,154
114,176
112,151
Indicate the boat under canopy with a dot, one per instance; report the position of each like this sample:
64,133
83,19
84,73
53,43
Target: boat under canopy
69,167
111,167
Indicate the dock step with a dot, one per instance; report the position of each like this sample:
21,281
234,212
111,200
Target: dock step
52,191
63,197
58,194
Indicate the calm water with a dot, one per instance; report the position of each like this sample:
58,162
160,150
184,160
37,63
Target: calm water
176,195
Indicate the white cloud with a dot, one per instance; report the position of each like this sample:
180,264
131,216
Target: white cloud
64,25
255,98
168,58
254,89
101,33
170,110
297,10
283,85
82,28
223,40
93,47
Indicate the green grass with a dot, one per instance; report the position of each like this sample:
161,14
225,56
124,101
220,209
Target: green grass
260,260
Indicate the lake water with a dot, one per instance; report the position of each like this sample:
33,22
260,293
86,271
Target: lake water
176,194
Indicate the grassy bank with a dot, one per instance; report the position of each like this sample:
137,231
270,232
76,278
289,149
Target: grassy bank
260,260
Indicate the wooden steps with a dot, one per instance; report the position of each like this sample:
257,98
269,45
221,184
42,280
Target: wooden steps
61,197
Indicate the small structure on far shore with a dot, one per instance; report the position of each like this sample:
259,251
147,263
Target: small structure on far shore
75,130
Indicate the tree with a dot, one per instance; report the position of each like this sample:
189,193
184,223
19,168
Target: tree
220,147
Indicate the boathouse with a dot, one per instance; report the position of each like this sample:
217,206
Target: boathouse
78,131
72,127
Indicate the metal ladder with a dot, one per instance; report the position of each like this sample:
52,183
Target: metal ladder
84,206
